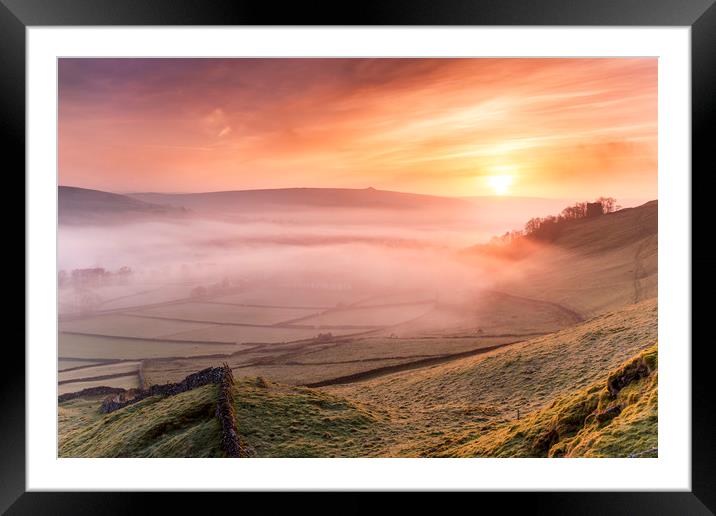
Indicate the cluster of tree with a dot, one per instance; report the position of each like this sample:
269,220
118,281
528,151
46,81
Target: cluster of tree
93,276
548,228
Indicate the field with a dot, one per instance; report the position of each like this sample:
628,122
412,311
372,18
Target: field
353,333
123,382
128,326
215,312
120,347
602,419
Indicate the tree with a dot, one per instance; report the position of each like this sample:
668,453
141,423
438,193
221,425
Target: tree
609,204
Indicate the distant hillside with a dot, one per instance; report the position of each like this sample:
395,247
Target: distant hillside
292,198
82,205
594,265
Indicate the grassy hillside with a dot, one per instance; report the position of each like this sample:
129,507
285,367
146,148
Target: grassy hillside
615,417
282,421
273,421
427,405
594,266
179,426
82,205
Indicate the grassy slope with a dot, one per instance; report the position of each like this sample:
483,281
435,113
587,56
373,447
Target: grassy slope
180,426
282,421
592,422
425,406
274,420
594,266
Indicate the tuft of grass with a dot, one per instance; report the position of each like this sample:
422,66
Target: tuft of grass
607,419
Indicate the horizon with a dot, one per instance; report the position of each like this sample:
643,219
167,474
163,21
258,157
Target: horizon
497,197
453,127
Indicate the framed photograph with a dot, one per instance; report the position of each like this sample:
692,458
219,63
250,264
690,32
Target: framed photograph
422,248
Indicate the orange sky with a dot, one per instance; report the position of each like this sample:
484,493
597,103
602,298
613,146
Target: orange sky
575,128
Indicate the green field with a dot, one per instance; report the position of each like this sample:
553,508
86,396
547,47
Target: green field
368,316
128,326
100,347
115,368
123,382
226,313
254,334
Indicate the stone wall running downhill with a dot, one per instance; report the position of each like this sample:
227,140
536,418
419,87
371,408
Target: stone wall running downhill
230,441
221,376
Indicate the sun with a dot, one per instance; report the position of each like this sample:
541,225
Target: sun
500,184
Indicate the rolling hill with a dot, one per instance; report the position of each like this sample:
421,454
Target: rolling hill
595,265
82,205
584,385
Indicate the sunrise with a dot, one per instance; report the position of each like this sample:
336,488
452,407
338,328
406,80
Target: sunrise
357,258
569,127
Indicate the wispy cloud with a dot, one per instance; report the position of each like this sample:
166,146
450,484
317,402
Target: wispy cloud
565,126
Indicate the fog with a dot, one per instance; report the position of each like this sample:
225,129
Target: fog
360,252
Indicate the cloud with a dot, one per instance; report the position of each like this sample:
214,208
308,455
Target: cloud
404,124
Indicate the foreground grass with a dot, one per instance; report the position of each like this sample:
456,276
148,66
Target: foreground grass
616,417
273,421
463,408
179,426
475,394
283,421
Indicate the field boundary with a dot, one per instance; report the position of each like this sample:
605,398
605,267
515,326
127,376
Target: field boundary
381,371
222,376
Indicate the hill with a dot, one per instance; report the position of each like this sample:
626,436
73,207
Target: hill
614,417
273,421
464,408
431,404
82,205
595,265
297,198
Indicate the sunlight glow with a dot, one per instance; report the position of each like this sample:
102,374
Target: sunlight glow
500,184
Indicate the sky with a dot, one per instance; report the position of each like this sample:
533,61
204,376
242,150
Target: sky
556,128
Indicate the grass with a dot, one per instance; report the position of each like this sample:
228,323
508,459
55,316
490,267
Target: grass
184,425
123,382
101,347
100,370
471,395
274,420
597,421
596,265
282,421
227,313
369,316
252,334
127,326
615,416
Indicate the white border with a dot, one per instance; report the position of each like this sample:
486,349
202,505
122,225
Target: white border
670,471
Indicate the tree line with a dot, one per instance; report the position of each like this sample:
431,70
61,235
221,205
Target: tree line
548,228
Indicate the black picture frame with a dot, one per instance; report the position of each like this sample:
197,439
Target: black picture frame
700,15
